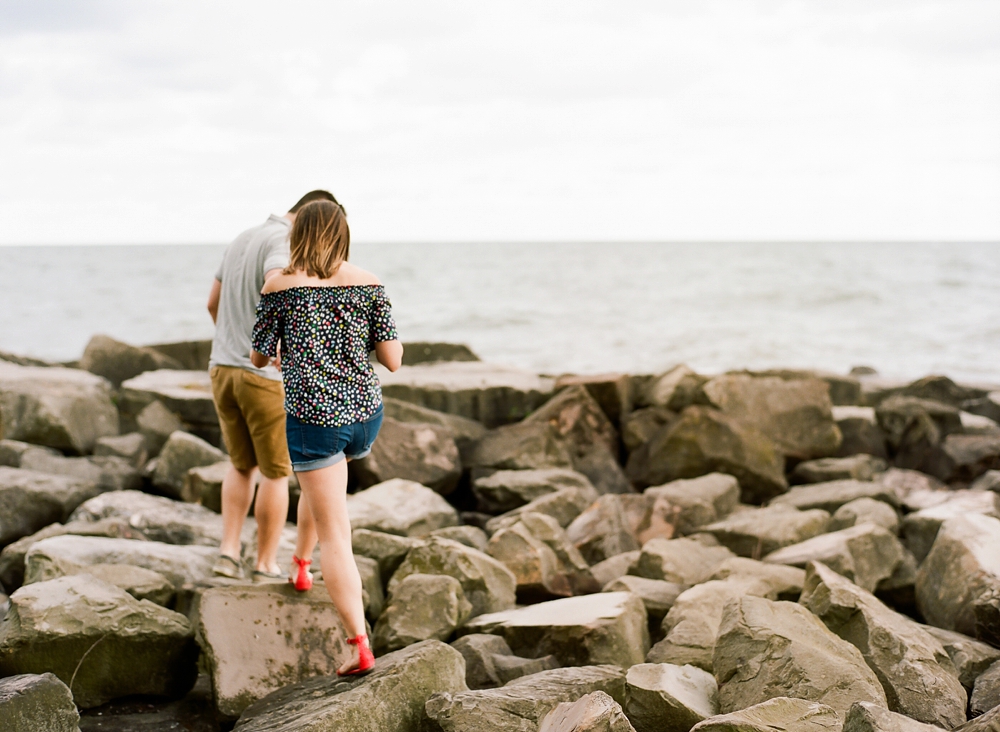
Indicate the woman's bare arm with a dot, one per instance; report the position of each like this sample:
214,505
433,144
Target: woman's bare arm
389,354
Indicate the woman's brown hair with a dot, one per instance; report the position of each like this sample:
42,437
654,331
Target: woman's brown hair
320,240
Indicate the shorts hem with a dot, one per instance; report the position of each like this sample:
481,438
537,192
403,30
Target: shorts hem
360,455
319,464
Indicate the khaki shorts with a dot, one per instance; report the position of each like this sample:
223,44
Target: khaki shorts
252,416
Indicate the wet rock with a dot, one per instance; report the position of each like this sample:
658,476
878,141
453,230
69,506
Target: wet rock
779,713
971,657
108,473
388,550
187,394
795,413
756,532
868,717
701,441
658,596
36,702
389,699
604,628
117,361
685,561
471,536
921,527
831,496
615,524
29,500
959,581
965,457
421,607
824,470
767,649
639,427
784,583
491,394
487,583
98,639
424,453
699,501
521,705
156,423
400,507
130,447
505,490
916,673
67,409
564,506
865,510
666,698
182,452
204,485
614,568
489,662
595,712
142,584
866,554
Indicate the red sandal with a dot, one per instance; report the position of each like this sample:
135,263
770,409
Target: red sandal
303,580
366,659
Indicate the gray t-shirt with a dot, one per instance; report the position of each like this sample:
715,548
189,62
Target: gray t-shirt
252,254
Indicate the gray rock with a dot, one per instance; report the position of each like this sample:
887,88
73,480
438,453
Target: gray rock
614,568
779,713
505,490
907,483
203,484
976,424
117,361
417,352
921,527
108,473
388,550
767,649
866,554
614,392
156,423
986,723
596,712
421,607
915,429
666,698
756,532
97,639
604,628
676,389
865,510
37,702
959,581
685,561
193,355
464,431
657,595
971,657
489,662
639,427
182,452
964,458
615,524
67,409
564,506
389,699
916,673
130,447
831,496
187,394
487,583
520,446
371,584
703,440
988,481
699,501
471,536
400,507
868,717
860,431
986,693
29,501
424,453
521,705
941,389
854,467
987,406
12,451
784,583
142,584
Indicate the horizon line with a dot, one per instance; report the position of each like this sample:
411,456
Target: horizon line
428,242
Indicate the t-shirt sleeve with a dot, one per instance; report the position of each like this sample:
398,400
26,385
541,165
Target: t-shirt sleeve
381,325
270,325
222,265
277,253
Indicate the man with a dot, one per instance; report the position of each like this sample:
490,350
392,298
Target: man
249,400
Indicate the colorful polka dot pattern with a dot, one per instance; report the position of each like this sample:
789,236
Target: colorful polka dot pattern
326,334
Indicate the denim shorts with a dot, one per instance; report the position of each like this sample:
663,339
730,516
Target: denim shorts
312,446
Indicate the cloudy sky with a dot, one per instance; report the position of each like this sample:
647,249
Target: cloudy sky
186,121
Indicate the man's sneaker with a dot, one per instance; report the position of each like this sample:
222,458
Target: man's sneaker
260,577
226,566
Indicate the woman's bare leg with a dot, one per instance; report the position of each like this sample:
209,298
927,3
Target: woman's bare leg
326,492
305,537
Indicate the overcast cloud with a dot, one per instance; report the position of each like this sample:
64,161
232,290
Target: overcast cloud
433,120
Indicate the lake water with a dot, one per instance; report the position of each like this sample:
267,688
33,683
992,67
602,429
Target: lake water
906,309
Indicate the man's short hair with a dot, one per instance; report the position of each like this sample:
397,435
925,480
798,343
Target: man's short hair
316,196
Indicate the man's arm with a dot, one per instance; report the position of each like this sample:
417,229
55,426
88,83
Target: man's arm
213,299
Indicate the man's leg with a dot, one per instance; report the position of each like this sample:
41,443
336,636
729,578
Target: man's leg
237,495
271,511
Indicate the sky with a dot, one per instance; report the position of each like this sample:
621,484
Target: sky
181,121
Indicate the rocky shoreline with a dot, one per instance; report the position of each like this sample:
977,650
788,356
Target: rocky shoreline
786,549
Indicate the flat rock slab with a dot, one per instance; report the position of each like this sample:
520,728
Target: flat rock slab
685,561
595,712
188,394
756,532
920,528
861,510
522,704
868,717
663,697
98,639
400,507
855,467
657,595
834,494
785,582
389,699
779,713
607,628
37,703
699,501
30,501
260,638
505,490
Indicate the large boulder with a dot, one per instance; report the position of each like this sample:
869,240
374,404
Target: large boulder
657,595
590,437
182,452
958,585
490,663
674,389
865,510
564,505
860,431
521,705
756,532
866,554
614,392
768,649
140,583
67,409
854,467
417,352
784,583
131,447
986,693
795,413
614,568
488,393
108,473
193,355
97,639
666,698
260,638
868,717
156,423
704,440
400,507
487,583
779,713
834,494
615,524
916,673
685,561
30,501
117,361
186,394
639,426
388,550
915,429
698,501
464,431
36,702
971,657
594,629
920,528
505,490
424,453
421,607
595,712
389,699
520,446
964,458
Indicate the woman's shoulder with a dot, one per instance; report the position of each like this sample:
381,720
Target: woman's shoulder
352,276
280,282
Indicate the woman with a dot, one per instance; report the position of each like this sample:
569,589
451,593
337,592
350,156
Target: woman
327,315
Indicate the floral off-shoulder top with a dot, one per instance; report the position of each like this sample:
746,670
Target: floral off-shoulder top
326,334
